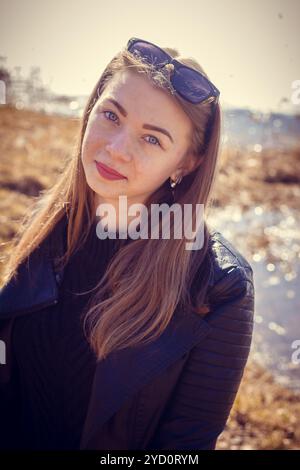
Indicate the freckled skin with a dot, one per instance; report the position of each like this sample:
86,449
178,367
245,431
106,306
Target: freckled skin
123,144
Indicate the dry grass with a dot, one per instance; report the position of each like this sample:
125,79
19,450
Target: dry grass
34,148
268,179
265,415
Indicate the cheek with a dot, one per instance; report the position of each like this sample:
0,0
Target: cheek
92,142
152,173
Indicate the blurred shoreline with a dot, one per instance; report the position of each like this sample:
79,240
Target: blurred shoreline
256,202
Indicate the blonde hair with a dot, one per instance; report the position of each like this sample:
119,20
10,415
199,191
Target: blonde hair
134,301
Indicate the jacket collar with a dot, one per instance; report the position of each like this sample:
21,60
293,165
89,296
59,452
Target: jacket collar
33,288
36,284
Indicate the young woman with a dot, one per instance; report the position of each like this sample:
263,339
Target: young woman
127,343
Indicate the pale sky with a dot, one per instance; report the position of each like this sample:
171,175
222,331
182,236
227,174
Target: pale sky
249,49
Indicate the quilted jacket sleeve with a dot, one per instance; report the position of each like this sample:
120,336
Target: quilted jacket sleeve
200,406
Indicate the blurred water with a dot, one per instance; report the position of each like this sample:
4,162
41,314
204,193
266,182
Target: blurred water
244,128
270,240
251,130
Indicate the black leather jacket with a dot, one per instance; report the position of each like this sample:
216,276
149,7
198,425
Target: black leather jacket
177,392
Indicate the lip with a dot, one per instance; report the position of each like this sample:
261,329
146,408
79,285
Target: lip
108,173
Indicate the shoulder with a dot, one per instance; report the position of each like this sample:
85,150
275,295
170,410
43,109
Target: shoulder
231,300
231,273
226,258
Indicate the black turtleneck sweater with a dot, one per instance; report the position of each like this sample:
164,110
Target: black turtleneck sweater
55,364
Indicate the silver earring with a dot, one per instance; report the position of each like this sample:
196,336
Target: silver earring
174,183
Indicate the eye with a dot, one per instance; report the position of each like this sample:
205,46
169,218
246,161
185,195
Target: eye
104,112
152,136
149,135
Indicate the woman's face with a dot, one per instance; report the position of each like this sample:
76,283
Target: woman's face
118,137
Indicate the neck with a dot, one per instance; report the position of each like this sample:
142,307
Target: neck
116,213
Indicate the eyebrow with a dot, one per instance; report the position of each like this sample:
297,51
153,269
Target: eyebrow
145,126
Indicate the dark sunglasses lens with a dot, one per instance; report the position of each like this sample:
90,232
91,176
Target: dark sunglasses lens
150,53
191,85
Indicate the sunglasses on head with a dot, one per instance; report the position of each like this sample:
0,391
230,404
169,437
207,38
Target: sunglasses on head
190,84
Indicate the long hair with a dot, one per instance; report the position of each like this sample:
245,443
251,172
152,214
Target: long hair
147,280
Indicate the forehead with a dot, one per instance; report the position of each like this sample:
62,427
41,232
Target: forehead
143,101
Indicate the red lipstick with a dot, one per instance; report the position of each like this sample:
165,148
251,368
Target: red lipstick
108,173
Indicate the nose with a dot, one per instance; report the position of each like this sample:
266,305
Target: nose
119,147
